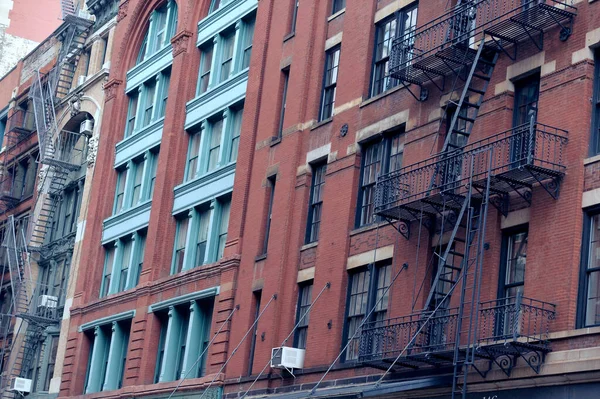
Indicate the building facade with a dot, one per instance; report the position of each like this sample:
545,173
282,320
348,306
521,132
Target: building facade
167,157
53,115
394,161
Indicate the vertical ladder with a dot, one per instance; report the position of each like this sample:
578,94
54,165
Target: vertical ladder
468,311
471,98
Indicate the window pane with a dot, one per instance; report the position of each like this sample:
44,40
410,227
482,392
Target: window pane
517,257
215,144
357,307
110,258
166,81
370,170
225,209
338,5
304,302
248,37
125,264
207,54
202,240
131,114
235,135
396,153
137,183
226,56
329,89
194,153
149,101
182,227
154,166
315,209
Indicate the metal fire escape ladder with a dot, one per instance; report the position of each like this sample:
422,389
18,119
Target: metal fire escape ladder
468,310
468,107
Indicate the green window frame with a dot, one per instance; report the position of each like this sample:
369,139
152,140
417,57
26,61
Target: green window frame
180,244
109,260
206,59
249,26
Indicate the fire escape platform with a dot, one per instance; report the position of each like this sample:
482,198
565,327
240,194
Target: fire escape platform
446,44
518,159
508,329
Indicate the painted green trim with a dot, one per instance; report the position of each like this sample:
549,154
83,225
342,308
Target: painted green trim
99,348
150,67
111,380
142,140
127,222
130,314
224,18
214,291
215,184
217,98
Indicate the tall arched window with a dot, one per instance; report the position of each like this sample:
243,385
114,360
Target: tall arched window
162,26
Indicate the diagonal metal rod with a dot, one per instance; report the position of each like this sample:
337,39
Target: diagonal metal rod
236,308
327,286
238,346
404,266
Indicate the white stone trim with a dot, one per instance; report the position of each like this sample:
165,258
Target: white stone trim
374,255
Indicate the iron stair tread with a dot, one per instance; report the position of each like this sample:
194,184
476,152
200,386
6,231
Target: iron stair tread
482,77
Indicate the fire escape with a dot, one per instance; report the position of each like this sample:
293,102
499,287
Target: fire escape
36,306
450,194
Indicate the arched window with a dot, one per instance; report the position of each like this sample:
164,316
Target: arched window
162,27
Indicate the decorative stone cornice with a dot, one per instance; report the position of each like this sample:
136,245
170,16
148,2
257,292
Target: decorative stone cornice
122,10
59,247
180,42
110,89
92,151
103,10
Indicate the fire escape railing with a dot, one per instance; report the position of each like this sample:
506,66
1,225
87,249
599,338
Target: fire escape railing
505,322
524,154
504,21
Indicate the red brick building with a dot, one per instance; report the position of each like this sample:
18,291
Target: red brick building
394,210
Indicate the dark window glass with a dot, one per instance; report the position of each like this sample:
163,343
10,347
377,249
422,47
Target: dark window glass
269,213
227,42
257,297
295,4
247,43
182,228
332,62
357,309
596,106
527,92
205,65
303,315
286,78
338,5
591,287
316,203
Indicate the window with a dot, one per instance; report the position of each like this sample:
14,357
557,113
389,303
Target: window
514,260
316,203
108,354
214,150
337,5
52,347
132,113
194,152
136,181
332,61
174,348
150,90
108,268
164,89
3,123
138,175
140,259
357,309
527,93
295,4
202,235
271,198
223,225
163,24
302,315
247,42
125,264
379,157
120,193
226,44
595,142
286,79
205,65
399,24
589,313
236,130
368,289
180,241
256,299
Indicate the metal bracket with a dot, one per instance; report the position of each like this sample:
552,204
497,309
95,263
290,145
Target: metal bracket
534,360
513,57
552,187
481,372
423,94
505,363
501,202
516,187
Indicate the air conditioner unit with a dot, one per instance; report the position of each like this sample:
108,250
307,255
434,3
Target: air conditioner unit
86,127
81,80
287,358
21,385
48,301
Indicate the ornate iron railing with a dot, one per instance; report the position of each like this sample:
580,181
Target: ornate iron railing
470,20
512,319
70,148
516,319
388,338
534,146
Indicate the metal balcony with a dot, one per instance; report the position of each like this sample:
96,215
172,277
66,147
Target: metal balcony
444,45
518,159
44,306
19,126
508,329
68,151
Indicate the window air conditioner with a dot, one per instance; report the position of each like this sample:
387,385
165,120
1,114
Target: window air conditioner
21,385
86,127
48,301
287,358
81,80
